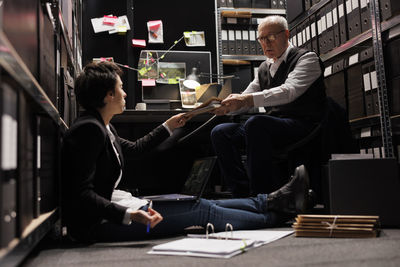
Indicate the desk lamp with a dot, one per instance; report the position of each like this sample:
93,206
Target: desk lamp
187,88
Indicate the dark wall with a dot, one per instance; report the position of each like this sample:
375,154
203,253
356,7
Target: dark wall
103,44
177,16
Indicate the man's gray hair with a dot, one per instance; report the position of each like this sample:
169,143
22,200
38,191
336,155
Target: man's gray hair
279,20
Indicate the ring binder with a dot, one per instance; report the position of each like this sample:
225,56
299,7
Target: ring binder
218,245
208,226
227,227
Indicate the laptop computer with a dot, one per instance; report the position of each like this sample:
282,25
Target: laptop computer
195,184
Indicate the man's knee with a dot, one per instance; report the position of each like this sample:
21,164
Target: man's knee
223,130
255,123
217,131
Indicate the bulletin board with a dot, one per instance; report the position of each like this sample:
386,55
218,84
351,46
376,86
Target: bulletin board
177,17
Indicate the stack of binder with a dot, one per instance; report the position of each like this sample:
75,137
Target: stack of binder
336,226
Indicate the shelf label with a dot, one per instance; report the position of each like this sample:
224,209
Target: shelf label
367,84
252,35
245,35
329,20
238,35
365,132
231,20
328,71
377,152
374,80
313,30
319,26
341,10
355,4
363,3
335,16
323,24
299,39
224,35
8,142
348,7
231,35
353,59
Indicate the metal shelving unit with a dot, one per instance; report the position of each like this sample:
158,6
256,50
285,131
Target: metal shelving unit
13,64
363,37
17,250
380,31
244,57
256,12
386,128
40,104
308,13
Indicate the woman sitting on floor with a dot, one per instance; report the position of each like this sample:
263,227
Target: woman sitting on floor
93,162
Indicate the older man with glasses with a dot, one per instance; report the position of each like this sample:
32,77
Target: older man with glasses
290,86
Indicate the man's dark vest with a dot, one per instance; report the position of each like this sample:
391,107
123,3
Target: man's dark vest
309,105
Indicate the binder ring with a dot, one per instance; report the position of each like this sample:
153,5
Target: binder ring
228,227
212,229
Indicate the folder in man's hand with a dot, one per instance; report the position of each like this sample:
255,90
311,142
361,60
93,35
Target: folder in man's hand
207,106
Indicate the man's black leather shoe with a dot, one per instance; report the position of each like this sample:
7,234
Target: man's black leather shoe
292,197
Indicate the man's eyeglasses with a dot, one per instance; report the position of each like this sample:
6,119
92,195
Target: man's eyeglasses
269,37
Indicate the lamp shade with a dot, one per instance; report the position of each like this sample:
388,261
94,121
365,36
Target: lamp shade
192,81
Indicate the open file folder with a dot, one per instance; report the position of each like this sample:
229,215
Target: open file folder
219,245
200,247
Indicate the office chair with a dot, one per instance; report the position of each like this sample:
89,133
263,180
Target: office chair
330,136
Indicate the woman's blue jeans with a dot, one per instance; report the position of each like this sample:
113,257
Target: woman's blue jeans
243,213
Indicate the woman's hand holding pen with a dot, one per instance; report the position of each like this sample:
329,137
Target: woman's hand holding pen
151,216
177,121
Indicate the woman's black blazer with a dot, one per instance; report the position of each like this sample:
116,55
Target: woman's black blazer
90,170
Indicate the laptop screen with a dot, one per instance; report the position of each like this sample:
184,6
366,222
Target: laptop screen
198,176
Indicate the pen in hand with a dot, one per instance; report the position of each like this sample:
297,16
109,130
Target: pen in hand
148,224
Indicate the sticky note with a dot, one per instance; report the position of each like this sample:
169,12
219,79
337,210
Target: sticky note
138,43
154,25
142,71
121,29
110,20
148,82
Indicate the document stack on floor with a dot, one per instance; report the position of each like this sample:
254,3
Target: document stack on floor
336,226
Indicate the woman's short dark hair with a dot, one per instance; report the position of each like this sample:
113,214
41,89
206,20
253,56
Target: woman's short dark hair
94,82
